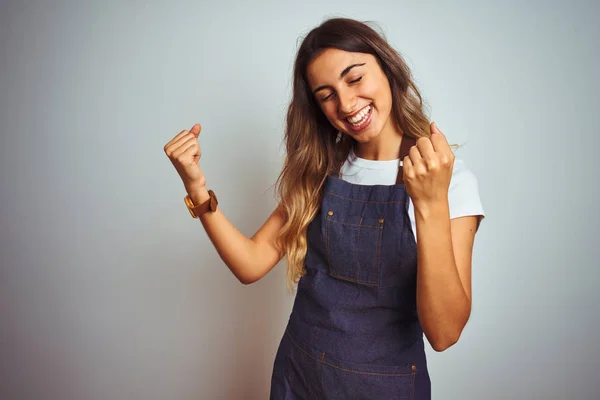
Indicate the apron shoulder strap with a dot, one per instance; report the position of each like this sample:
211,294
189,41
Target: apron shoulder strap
405,145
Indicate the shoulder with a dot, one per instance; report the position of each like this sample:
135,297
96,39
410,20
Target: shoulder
462,175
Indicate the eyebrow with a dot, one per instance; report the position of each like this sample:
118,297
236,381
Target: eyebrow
343,74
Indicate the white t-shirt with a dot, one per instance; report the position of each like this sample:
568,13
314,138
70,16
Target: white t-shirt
463,193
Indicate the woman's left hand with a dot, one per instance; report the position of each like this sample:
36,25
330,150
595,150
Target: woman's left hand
428,168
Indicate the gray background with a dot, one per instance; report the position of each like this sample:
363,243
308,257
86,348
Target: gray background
109,290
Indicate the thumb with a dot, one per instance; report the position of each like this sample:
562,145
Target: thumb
196,130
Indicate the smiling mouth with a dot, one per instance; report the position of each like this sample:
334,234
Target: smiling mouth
360,120
360,117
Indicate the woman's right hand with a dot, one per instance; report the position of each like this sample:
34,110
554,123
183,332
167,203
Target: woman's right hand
184,152
248,258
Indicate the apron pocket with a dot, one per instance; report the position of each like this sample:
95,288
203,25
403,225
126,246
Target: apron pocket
353,246
342,380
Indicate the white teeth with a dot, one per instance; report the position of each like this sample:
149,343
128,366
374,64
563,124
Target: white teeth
358,118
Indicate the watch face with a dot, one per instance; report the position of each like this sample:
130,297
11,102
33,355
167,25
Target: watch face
190,206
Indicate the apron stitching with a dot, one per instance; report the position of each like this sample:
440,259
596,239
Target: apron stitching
357,225
366,283
331,268
412,384
363,372
357,247
379,245
338,367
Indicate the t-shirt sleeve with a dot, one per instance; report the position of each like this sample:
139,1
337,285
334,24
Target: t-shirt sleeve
463,193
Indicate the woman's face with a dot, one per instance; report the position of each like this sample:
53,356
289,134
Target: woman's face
353,93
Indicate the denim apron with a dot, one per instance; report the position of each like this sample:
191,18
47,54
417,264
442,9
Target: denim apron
354,331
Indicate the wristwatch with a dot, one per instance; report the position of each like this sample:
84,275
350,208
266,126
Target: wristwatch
209,205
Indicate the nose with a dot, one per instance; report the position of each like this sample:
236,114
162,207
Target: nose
347,101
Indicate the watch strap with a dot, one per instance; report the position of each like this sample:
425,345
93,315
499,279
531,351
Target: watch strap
209,205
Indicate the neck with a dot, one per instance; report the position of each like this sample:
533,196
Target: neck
386,146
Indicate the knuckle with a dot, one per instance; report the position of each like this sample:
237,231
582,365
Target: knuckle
432,163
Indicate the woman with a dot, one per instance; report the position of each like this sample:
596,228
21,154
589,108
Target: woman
376,218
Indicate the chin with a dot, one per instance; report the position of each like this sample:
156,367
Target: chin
365,136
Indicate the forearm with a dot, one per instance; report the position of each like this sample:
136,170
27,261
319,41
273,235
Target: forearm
442,302
237,251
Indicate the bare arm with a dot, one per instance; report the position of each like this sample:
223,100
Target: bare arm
249,259
444,249
444,246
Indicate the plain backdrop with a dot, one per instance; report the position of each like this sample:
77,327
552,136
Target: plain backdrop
109,290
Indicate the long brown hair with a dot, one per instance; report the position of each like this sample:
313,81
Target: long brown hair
314,148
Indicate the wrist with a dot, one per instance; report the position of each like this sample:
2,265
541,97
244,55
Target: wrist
198,195
432,210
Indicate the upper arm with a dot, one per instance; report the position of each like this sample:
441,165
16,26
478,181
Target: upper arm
463,236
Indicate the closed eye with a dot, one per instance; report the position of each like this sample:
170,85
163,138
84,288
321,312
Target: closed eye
331,94
327,97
